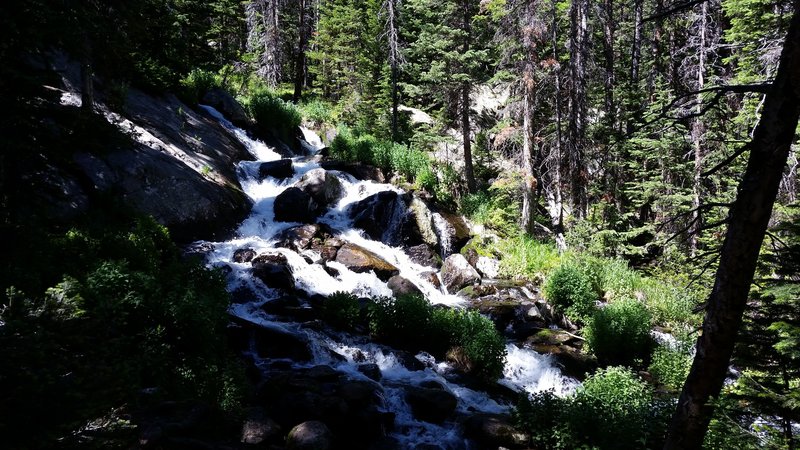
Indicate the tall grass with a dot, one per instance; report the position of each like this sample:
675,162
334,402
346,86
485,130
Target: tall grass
271,113
525,257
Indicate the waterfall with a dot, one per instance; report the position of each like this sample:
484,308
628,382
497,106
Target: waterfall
260,232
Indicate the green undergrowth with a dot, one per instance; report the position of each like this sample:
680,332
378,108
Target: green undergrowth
612,409
410,163
410,322
94,314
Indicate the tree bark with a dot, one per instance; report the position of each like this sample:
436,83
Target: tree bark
466,129
393,36
748,222
698,134
300,56
579,34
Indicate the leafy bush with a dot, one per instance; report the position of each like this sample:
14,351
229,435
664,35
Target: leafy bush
412,323
620,333
196,84
271,113
669,302
128,312
497,208
613,409
318,112
671,361
570,290
341,310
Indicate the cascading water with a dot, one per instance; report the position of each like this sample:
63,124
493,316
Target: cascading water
525,369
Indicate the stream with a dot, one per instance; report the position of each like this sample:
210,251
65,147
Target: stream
525,370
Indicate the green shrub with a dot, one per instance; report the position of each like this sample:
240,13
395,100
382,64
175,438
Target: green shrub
341,310
570,290
195,85
669,302
410,322
620,333
612,409
318,112
271,113
671,362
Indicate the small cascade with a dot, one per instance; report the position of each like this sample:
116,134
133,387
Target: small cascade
314,277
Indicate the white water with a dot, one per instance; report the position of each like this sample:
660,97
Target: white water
525,369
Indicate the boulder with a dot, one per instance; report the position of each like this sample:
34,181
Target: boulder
384,217
323,186
258,428
297,238
359,171
401,286
432,278
295,205
279,169
244,255
494,431
424,220
457,273
224,102
273,270
360,260
269,342
424,255
430,404
488,267
371,371
452,232
311,435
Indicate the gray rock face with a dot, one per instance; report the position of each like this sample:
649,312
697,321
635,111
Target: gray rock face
295,205
224,102
258,428
323,187
457,273
385,217
273,270
311,435
430,404
279,169
401,286
357,170
424,255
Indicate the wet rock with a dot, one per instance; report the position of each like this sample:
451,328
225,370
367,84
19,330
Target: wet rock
224,102
328,253
384,217
323,187
297,238
311,435
452,232
279,169
271,343
371,371
357,170
409,361
323,372
360,260
432,278
243,255
430,405
494,431
401,286
258,428
424,255
424,220
457,273
295,205
273,270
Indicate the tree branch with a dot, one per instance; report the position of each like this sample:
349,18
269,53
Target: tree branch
672,10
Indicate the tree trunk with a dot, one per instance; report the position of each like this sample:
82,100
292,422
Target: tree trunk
698,132
636,50
577,113
529,188
393,36
300,56
748,221
469,173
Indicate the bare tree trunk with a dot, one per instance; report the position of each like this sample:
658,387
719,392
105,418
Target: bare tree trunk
748,222
636,50
395,59
555,198
529,188
577,112
300,55
698,132
466,129
263,38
